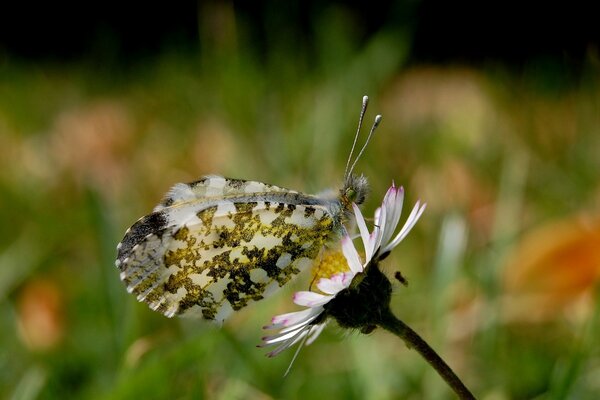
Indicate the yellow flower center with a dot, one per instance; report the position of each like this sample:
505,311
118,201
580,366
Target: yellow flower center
332,262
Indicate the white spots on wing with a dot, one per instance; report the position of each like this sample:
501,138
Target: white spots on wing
154,306
258,275
180,216
298,218
202,279
225,311
254,187
194,311
225,207
124,275
179,193
137,246
263,242
266,217
215,186
306,245
174,246
258,208
284,260
170,312
172,270
217,288
303,263
320,212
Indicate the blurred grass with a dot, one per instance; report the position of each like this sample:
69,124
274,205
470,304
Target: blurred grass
85,151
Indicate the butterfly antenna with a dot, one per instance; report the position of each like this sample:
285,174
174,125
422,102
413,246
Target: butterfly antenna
373,127
363,110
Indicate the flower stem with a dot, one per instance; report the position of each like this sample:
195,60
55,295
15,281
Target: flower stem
412,339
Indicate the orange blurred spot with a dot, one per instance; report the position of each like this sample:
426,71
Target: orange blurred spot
92,143
454,99
40,315
214,147
553,269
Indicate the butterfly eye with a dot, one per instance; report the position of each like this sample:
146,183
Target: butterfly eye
351,195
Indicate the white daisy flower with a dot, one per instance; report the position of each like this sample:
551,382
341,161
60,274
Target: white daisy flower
306,325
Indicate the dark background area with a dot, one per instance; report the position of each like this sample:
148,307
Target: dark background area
509,32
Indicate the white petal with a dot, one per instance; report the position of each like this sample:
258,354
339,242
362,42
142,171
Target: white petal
377,216
314,332
284,320
392,203
335,284
351,255
289,343
315,312
346,278
310,299
374,239
408,225
364,232
280,337
379,229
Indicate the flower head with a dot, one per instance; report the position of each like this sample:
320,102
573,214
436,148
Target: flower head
339,289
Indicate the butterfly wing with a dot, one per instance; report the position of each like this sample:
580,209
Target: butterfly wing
208,256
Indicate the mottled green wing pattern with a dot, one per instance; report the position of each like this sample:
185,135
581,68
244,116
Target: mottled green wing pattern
211,255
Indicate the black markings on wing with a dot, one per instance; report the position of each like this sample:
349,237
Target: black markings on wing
147,225
228,255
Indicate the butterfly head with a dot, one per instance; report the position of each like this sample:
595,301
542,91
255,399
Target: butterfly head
355,190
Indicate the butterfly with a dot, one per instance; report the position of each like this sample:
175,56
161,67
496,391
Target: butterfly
215,245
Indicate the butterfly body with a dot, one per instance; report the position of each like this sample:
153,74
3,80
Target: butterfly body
214,246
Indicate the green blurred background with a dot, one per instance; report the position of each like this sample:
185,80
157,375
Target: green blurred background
491,116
